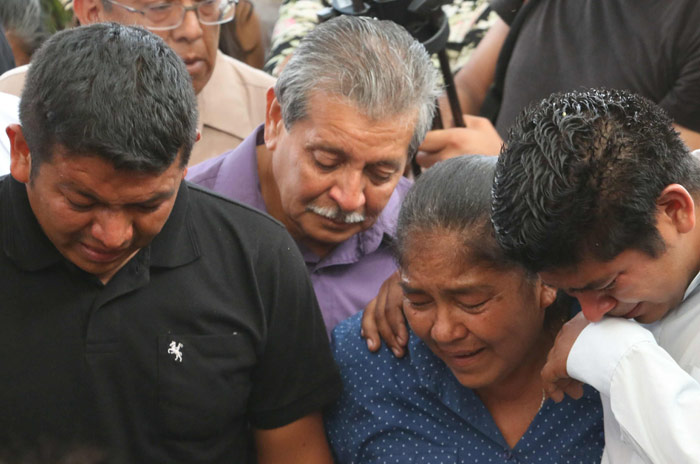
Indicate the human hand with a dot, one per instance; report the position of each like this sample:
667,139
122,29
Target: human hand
383,317
478,138
555,379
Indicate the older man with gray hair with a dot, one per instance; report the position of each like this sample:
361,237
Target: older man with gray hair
346,115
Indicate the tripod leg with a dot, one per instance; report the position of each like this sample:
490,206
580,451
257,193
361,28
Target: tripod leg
450,89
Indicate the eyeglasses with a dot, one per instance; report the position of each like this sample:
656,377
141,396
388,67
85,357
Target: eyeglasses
166,16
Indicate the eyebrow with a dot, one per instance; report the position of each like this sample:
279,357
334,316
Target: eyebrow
158,196
451,291
319,146
595,285
342,153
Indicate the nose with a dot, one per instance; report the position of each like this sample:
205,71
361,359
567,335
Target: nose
595,305
190,29
349,191
447,327
112,229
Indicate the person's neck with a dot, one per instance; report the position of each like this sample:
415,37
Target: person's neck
515,401
273,203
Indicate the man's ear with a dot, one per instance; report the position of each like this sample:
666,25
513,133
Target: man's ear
274,126
20,158
88,11
676,208
547,295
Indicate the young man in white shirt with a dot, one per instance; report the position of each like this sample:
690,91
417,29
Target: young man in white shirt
597,193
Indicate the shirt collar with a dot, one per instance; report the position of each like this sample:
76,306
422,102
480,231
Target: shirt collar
177,243
222,101
24,241
238,175
246,188
693,285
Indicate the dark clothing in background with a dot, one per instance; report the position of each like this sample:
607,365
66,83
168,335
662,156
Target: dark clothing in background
651,47
7,59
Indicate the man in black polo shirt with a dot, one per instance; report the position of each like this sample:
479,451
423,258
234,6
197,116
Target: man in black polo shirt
140,314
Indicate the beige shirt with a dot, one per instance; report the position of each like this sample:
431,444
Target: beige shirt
231,105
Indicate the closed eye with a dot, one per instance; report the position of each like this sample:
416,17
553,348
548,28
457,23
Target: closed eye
80,206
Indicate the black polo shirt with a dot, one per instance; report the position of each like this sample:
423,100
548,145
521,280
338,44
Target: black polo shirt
210,330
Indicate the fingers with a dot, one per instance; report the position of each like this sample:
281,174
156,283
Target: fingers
570,387
383,318
437,140
574,389
369,327
382,315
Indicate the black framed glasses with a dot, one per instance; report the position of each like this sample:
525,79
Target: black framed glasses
166,16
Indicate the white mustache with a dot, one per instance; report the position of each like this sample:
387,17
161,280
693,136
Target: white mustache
336,214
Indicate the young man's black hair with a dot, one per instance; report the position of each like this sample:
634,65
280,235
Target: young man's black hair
125,97
580,175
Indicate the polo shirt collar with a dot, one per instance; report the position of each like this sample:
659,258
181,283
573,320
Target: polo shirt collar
177,243
223,87
24,241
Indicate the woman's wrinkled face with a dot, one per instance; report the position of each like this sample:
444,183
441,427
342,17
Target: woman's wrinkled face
482,322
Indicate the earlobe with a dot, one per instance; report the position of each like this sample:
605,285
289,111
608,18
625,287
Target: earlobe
273,120
88,11
20,158
547,295
676,206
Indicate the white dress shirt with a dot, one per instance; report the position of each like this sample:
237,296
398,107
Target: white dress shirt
9,105
648,377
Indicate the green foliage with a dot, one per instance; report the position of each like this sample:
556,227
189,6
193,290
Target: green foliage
57,17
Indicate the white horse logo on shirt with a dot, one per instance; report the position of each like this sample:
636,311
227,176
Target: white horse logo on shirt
175,349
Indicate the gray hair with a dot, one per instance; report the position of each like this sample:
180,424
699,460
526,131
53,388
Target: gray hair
23,19
453,196
376,65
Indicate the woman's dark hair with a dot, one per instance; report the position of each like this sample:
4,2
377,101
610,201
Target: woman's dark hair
455,196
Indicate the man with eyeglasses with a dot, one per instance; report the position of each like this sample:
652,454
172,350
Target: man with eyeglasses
230,94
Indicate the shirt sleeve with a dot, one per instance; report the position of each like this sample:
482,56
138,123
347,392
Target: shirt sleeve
655,402
296,375
506,9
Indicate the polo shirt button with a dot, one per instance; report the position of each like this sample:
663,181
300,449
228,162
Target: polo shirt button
508,455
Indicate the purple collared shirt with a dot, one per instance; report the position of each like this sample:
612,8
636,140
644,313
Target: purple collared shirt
348,277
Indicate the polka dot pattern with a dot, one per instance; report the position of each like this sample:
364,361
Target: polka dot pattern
413,410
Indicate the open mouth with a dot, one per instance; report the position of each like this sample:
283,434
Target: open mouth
463,358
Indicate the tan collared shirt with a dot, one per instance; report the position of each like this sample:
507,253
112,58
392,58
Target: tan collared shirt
231,106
